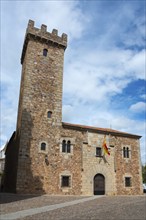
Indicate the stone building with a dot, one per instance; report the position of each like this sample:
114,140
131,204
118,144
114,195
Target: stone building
46,155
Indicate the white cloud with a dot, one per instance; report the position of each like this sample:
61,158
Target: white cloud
143,96
136,64
94,75
66,16
123,24
138,107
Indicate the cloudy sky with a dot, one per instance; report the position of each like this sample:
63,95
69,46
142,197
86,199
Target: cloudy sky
104,67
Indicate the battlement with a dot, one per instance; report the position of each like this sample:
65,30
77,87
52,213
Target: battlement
43,36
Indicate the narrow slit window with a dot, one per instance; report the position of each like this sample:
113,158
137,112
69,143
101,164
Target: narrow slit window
49,114
45,52
68,147
124,152
127,152
64,146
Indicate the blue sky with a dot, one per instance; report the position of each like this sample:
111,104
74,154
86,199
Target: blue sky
104,67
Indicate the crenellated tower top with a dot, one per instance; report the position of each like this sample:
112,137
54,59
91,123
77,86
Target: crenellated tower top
44,36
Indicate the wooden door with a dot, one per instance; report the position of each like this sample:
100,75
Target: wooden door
99,184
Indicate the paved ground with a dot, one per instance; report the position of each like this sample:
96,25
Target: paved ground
72,207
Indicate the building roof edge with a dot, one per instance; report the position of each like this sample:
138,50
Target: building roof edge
99,130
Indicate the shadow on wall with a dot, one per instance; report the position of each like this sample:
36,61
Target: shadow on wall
22,176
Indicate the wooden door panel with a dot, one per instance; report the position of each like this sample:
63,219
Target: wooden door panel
99,185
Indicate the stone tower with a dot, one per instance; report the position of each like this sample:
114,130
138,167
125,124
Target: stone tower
40,103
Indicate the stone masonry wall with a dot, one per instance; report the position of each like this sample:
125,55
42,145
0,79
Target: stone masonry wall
128,167
93,165
44,176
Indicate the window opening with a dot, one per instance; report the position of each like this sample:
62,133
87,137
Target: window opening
45,51
65,181
98,152
49,114
126,152
43,146
64,146
127,181
68,147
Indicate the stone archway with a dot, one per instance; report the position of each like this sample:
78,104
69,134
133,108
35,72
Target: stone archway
99,184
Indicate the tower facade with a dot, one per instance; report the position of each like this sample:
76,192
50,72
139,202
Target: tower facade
40,103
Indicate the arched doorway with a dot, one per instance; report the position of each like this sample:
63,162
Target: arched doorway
99,184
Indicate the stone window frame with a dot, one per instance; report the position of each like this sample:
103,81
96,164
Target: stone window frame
66,146
72,142
127,175
43,151
63,183
129,151
46,115
68,174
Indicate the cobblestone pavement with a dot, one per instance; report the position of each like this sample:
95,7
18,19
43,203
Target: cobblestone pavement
96,208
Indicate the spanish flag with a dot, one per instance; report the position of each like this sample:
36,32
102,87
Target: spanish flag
105,146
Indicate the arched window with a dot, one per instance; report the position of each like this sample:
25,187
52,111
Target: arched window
43,146
68,147
127,152
63,146
45,51
124,152
49,114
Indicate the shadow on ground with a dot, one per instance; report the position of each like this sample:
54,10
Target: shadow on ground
11,197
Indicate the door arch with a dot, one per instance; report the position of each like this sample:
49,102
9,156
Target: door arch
99,184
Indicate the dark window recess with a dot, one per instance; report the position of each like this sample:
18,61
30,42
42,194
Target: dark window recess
49,114
43,146
65,181
98,152
111,145
127,181
66,147
45,51
126,152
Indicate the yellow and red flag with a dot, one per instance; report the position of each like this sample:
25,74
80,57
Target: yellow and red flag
106,151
